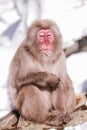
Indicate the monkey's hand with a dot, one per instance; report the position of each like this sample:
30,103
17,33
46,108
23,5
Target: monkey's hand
52,81
42,80
56,120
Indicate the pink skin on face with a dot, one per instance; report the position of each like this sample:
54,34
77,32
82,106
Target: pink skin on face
45,37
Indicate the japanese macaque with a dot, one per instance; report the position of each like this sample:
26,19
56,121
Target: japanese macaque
40,87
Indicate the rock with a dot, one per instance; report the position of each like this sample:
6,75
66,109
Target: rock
81,101
8,122
28,125
78,117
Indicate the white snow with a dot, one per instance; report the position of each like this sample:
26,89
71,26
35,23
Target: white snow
72,22
6,55
77,69
82,126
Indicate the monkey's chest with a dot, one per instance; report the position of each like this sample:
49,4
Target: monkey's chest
51,69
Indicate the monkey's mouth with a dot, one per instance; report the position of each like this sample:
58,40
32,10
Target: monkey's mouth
46,51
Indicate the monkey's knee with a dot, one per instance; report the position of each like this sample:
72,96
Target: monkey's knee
19,100
70,102
30,103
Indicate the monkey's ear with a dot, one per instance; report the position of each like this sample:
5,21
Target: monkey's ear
31,33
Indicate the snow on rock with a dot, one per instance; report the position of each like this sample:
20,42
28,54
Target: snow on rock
77,69
78,127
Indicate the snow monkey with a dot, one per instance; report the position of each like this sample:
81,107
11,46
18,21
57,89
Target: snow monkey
39,85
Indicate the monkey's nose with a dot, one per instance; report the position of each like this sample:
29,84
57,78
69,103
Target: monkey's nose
46,40
47,43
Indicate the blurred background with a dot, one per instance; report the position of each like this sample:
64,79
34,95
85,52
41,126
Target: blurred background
71,17
16,15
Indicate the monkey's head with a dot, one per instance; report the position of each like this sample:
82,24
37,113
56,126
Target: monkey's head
44,37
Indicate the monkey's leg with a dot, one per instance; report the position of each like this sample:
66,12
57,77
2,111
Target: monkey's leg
58,113
63,103
33,103
70,99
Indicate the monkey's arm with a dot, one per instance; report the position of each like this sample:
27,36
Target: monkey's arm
42,80
20,77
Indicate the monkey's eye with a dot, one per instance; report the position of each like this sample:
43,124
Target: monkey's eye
41,35
49,34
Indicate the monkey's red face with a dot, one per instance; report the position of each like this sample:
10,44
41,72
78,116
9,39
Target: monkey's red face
45,38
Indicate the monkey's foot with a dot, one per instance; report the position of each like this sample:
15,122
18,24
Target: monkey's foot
66,118
55,120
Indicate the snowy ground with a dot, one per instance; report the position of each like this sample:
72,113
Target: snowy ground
77,69
5,57
78,127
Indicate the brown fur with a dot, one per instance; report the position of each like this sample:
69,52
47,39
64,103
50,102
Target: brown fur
40,88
